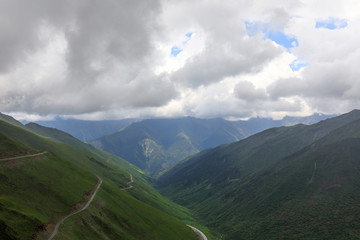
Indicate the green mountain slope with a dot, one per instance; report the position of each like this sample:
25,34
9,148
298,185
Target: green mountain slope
263,187
253,153
10,148
314,195
66,138
34,189
108,206
10,119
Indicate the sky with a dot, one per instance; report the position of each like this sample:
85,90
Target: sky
114,59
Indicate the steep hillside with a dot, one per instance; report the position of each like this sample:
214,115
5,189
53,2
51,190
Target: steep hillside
10,148
312,195
111,208
258,188
10,119
36,189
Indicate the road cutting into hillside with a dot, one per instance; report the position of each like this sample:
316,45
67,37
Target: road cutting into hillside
198,232
129,183
56,228
24,156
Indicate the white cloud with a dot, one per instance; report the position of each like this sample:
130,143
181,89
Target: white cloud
112,59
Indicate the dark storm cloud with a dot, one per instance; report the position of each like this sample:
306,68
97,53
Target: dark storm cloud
108,47
94,29
108,31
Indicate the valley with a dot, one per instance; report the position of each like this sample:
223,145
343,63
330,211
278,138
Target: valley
62,176
267,185
179,120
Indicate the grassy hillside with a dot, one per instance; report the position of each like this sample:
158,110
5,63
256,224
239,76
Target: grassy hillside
110,210
10,148
296,200
123,217
34,191
10,119
257,188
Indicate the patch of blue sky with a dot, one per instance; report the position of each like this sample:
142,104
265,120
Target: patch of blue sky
175,50
332,23
255,27
278,37
297,64
189,34
282,39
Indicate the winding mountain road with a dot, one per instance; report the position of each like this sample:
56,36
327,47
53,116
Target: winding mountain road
56,228
24,156
128,183
198,232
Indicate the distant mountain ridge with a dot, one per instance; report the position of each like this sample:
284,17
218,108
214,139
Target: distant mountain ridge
87,130
157,144
298,182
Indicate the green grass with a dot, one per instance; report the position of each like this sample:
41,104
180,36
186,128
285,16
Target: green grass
118,171
143,200
10,148
260,188
33,189
286,205
121,216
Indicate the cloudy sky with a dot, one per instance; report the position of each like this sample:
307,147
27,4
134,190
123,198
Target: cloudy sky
113,59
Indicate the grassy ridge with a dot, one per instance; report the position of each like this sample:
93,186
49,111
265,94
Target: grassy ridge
10,148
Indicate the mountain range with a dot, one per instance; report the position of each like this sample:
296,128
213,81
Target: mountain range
288,182
298,182
86,130
157,144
